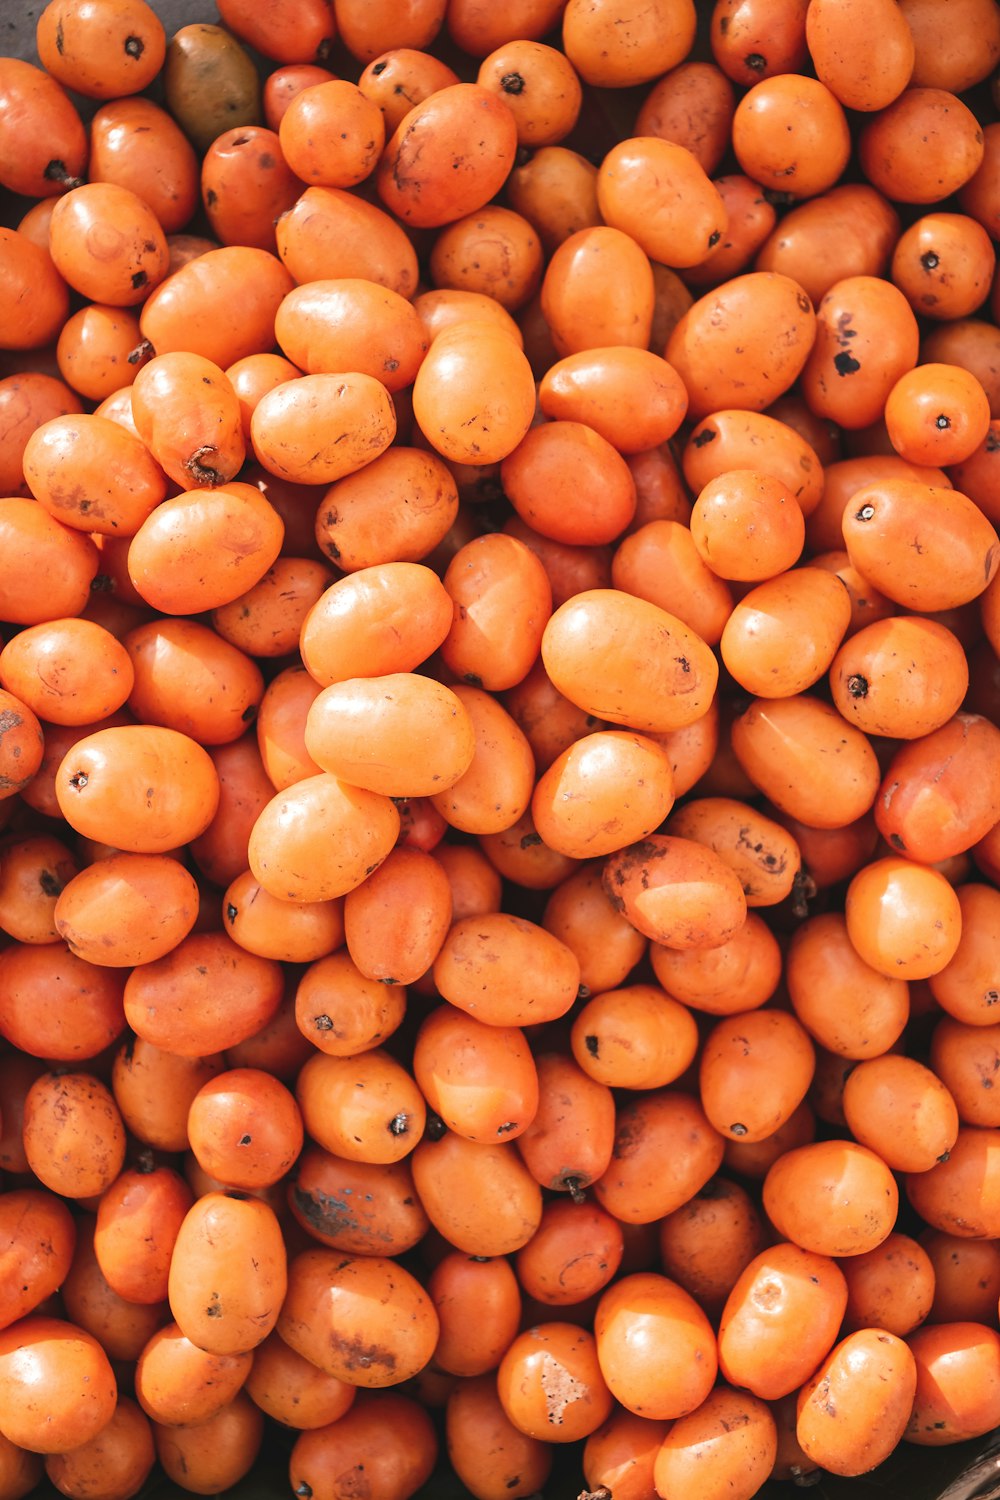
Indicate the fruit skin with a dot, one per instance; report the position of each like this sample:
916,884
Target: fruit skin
506,997
210,82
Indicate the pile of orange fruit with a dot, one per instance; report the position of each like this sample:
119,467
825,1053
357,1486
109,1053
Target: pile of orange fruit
499,744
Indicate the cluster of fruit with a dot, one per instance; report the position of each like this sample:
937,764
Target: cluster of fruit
499,749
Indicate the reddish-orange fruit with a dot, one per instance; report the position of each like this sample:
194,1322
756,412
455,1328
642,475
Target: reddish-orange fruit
480,1079
657,192
634,1037
215,1453
22,744
354,410
763,856
352,324
34,872
365,1107
502,600
575,1252
613,50
43,145
901,677
800,753
401,77
391,1436
332,232
220,306
228,1273
108,244
780,1320
893,1286
659,561
57,1386
332,134
342,1011
755,1071
904,919
902,1110
950,139
27,402
621,1453
319,838
966,1277
138,1219
382,1212
93,475
329,1317
397,919
921,810
293,1391
870,1380
245,1128
105,51
598,290
743,344
958,1382
960,1195
790,134
605,651
424,179
670,1371
725,1448
831,36
37,1240
846,1006
506,970
693,106
139,146
646,1179
491,1456
118,1460
74,1137
569,1141
34,542
552,1355
708,1242
675,891
503,1212
401,735
127,909
798,1198
206,994
34,298
494,252
607,789
474,394
735,976
478,1304
188,415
